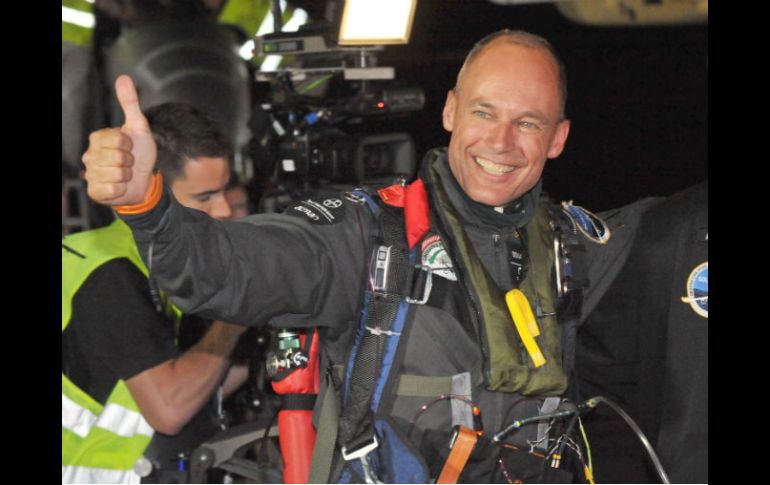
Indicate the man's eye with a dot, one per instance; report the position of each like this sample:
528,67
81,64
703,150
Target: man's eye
483,115
203,198
529,126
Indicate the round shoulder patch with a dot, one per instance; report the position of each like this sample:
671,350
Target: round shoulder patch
588,223
325,211
698,290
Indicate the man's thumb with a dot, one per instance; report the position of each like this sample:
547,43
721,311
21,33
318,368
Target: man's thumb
129,102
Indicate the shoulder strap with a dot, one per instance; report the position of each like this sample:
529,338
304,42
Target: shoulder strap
382,317
570,280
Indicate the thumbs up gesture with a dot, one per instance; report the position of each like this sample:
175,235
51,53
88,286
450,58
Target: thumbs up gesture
119,161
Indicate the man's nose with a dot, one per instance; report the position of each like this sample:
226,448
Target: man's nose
219,208
502,137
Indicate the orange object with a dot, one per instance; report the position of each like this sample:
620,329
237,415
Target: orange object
464,443
150,201
296,433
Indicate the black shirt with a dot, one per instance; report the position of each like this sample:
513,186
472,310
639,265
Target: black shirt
115,331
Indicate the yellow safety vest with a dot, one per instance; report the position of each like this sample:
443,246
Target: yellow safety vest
100,443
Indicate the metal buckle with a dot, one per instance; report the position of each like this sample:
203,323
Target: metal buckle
362,453
426,290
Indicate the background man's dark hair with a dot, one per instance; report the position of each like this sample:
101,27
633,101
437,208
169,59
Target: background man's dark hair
183,132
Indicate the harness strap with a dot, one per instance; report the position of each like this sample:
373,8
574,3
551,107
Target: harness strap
569,259
430,386
381,322
464,441
326,436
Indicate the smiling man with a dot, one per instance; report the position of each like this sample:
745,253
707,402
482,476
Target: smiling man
437,302
506,115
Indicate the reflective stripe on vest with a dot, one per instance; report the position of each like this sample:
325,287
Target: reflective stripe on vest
80,474
76,418
114,418
123,422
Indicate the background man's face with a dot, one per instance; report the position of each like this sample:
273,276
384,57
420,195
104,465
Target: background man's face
505,122
202,186
238,200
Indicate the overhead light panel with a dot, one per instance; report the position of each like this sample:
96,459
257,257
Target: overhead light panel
376,22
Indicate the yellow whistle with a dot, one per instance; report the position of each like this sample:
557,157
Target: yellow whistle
526,325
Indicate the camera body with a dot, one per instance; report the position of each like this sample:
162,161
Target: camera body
319,141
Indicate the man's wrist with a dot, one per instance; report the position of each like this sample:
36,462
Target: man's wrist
150,201
149,221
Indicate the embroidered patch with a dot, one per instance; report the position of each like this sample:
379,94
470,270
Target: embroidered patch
434,256
698,290
326,211
588,223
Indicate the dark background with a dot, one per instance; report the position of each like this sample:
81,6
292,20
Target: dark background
637,95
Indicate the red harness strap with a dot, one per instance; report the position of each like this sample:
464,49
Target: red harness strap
414,200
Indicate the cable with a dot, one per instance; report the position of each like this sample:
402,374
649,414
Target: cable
591,403
560,452
588,447
477,423
518,423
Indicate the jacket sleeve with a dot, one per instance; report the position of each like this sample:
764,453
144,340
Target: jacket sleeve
266,268
604,261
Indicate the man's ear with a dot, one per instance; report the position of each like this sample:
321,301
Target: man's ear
448,115
559,139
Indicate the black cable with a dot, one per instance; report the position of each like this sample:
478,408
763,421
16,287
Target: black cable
518,423
477,422
591,403
262,455
570,426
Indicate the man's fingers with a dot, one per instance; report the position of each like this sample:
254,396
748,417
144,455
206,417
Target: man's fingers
109,175
107,157
129,102
106,193
110,138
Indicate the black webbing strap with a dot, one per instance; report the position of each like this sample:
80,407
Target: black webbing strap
355,422
301,402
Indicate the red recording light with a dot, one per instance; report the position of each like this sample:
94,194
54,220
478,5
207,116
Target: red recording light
380,104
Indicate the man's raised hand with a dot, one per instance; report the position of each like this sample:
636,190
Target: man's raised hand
119,161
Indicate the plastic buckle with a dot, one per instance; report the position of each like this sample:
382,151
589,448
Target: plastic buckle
426,289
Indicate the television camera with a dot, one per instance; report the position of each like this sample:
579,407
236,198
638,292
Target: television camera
312,131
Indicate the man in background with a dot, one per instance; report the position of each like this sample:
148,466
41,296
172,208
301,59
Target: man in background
132,402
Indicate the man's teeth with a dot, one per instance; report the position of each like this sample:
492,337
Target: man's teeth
492,167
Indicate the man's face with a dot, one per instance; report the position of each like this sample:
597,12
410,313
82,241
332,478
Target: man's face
505,122
202,186
238,201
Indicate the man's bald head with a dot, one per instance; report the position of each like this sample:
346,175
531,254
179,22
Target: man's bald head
518,37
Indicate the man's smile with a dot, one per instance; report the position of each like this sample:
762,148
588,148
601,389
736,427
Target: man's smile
493,168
